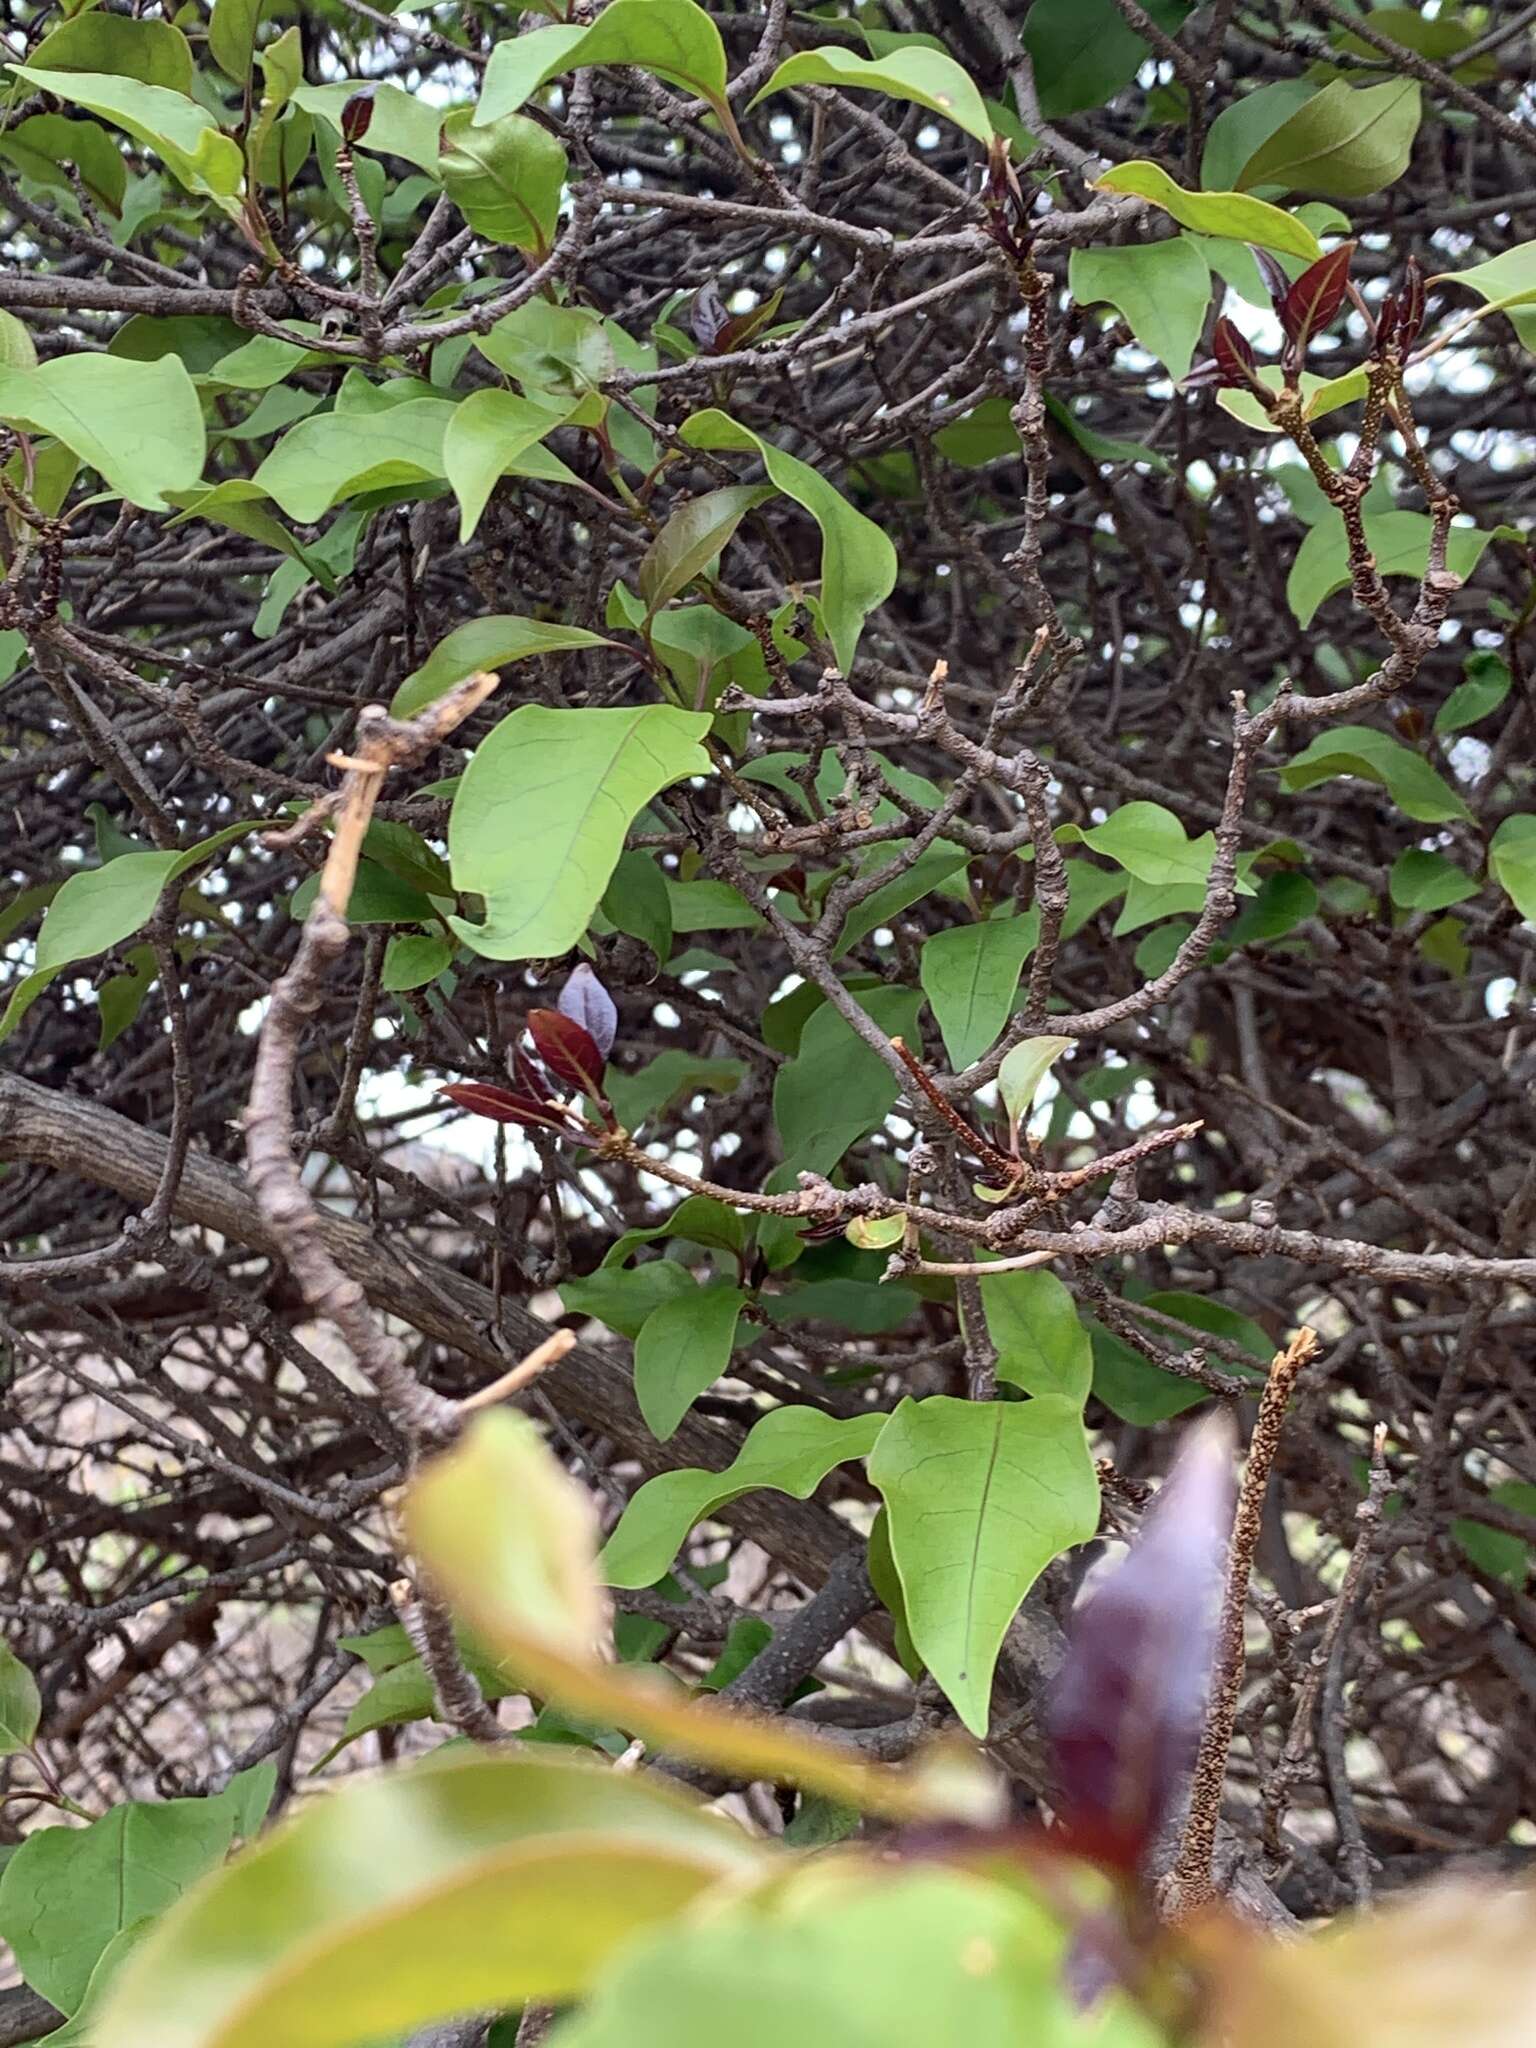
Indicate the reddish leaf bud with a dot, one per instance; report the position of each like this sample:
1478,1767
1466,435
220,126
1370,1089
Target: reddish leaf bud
1313,301
1276,278
1126,1711
568,1049
1410,305
1236,364
484,1098
357,114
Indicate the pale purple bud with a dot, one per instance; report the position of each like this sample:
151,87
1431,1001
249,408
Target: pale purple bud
587,1003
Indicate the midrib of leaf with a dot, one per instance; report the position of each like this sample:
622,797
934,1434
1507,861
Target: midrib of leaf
981,1520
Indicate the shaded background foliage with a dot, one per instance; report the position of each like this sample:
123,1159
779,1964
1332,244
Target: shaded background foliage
193,1474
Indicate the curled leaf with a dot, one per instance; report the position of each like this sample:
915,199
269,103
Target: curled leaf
876,1233
1022,1071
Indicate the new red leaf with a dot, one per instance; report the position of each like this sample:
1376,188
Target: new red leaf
484,1098
568,1049
1313,301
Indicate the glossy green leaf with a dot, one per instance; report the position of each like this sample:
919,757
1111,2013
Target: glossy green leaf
1024,1068
1376,757
636,902
412,960
837,1089
1400,543
539,819
184,135
325,458
1083,51
674,39
1428,881
505,177
1233,214
970,976
138,424
494,641
1042,1344
102,907
20,1703
1488,683
459,1885
402,124
790,1451
981,1496
1346,141
691,539
683,1348
928,78
153,52
68,1891
1512,862
858,562
493,434
1162,288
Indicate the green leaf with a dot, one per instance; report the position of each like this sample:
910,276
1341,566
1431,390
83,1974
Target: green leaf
1428,881
933,866
1234,214
83,2028
505,177
232,30
1148,841
412,960
402,124
858,562
1398,540
1499,1553
1505,281
981,1496
624,1297
636,902
683,1348
491,642
1321,394
1346,141
493,434
1042,1345
672,1075
67,1891
692,538
876,1233
484,1882
101,908
790,1451
1376,757
1140,1392
1162,288
1023,1069
1284,901
43,143
1487,684
539,819
153,52
1512,862
243,507
837,1089
970,975
1242,126
20,1703
138,424
928,78
326,458
182,134
862,1957
1083,52
673,39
